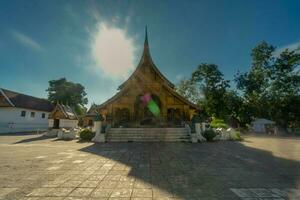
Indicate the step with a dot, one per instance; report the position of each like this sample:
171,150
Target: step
146,140
147,130
184,137
146,133
147,137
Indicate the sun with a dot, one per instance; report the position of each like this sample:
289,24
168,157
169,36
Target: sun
113,51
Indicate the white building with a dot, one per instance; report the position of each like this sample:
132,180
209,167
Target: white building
22,113
63,116
260,125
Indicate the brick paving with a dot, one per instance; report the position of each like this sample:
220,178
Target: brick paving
34,167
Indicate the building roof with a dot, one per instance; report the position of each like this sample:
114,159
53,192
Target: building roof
263,121
65,110
146,59
10,98
92,111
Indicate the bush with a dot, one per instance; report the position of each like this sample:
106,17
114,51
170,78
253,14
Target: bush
209,134
236,135
87,134
218,123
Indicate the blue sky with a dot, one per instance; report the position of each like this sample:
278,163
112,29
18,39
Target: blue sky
98,43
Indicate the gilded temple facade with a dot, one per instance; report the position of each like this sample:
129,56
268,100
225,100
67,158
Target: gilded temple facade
146,99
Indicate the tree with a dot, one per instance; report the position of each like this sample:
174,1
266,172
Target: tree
236,108
189,90
285,89
271,89
255,83
68,93
213,86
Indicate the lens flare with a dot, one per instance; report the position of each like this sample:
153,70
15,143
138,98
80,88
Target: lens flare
153,107
151,104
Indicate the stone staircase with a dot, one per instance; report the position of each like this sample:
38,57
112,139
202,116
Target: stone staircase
148,135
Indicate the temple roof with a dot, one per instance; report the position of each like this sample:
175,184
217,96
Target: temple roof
146,59
66,111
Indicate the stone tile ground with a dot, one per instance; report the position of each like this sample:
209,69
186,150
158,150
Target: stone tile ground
33,167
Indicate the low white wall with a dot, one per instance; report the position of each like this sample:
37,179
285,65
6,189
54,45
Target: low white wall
64,123
67,123
50,123
12,121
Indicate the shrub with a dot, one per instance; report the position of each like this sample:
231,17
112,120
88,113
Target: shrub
236,135
87,134
209,134
218,123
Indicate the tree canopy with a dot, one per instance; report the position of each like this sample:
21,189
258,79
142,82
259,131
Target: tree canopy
68,93
189,90
213,86
270,89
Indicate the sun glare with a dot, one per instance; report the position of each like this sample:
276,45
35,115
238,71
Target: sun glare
113,51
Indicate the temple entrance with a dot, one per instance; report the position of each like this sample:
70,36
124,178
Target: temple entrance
174,116
147,110
122,116
56,123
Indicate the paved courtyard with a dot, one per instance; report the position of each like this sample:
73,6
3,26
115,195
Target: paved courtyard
33,167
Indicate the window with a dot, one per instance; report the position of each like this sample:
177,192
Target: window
43,115
32,114
23,113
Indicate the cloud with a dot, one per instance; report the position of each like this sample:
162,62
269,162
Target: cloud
26,41
292,47
112,51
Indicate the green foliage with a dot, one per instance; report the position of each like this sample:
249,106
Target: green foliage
285,89
87,135
68,93
213,86
218,123
236,135
209,134
272,86
254,84
270,89
189,90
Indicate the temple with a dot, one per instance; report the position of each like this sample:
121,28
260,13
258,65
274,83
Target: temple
146,99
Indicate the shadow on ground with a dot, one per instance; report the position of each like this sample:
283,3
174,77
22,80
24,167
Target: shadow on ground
192,171
33,139
19,134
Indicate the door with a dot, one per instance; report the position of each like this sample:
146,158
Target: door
56,123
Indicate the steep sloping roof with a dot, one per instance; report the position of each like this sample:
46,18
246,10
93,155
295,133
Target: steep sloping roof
92,111
14,99
118,94
176,94
146,60
67,111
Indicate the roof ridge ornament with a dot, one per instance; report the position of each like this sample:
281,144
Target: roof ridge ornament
146,44
146,60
